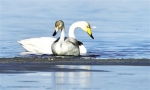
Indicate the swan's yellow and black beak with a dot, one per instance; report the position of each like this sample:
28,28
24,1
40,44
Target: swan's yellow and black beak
89,31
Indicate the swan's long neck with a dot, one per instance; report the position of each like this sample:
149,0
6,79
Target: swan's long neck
71,30
62,36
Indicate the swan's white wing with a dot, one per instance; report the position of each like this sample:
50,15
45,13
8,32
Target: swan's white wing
38,45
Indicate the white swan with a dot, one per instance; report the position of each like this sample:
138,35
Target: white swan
84,26
43,45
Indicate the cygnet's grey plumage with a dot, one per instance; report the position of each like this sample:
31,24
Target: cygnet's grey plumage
64,46
70,46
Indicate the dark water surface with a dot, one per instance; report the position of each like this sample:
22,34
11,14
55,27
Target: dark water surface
120,28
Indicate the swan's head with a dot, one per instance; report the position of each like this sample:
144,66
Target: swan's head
86,27
59,24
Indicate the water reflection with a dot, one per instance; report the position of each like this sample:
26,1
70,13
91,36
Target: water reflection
63,80
64,77
59,77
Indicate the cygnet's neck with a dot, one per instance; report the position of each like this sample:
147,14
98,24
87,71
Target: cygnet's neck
62,35
72,28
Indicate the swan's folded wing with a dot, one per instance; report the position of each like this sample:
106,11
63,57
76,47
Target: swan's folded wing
72,40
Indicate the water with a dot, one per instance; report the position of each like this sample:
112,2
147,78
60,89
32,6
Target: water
120,28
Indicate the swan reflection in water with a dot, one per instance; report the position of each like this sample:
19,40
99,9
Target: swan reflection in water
77,76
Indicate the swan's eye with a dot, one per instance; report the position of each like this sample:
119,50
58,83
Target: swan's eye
88,26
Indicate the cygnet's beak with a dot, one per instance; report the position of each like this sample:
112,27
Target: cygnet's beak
55,32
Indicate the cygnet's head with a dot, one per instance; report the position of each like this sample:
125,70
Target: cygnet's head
59,24
86,27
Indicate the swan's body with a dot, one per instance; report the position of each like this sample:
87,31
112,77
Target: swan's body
40,45
43,45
